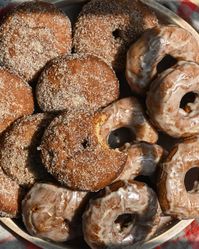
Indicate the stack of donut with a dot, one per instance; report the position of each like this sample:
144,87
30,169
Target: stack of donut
74,152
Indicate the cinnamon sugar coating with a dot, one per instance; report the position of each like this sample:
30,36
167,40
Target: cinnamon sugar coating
16,99
106,28
72,152
126,214
10,196
31,34
53,212
76,82
19,156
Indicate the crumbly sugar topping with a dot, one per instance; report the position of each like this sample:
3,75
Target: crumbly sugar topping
71,152
31,35
10,194
20,158
16,98
77,82
107,28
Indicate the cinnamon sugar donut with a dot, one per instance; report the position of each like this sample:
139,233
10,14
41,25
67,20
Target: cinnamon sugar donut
126,214
142,160
19,156
128,113
16,99
175,199
52,212
32,34
145,54
167,104
72,152
107,28
76,82
10,196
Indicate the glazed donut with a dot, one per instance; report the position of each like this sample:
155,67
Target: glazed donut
31,34
77,82
154,45
107,28
10,196
19,156
165,98
126,214
175,199
72,153
16,99
142,160
52,212
128,113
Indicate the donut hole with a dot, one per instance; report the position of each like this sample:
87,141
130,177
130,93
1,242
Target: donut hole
188,98
119,137
166,62
85,143
191,180
124,221
117,33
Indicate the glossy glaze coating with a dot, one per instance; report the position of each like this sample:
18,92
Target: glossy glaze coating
103,229
174,199
145,54
52,212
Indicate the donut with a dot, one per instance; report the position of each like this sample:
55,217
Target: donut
10,197
16,99
107,28
53,212
155,46
19,154
31,34
72,152
126,214
173,101
76,82
142,160
125,113
174,198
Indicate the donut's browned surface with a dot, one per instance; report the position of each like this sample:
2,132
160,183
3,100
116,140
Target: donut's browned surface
72,152
153,46
174,198
16,98
32,34
104,223
53,212
106,28
10,196
126,112
142,160
77,82
164,100
19,153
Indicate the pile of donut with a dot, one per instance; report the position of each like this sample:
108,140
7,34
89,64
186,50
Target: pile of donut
74,151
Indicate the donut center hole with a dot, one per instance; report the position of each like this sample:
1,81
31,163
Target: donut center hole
167,62
120,137
117,33
123,221
186,100
191,180
85,143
